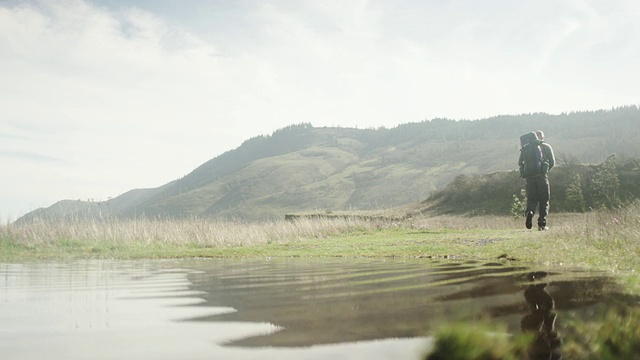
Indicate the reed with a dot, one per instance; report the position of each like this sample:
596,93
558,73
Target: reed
179,232
610,228
603,240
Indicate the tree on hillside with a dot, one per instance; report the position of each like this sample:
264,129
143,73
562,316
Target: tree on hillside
574,199
605,185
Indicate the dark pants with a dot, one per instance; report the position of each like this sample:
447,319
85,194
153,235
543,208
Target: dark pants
538,193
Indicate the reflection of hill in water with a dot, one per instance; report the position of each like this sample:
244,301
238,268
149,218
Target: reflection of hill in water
330,301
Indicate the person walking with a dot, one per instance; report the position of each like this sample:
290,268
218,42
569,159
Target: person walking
537,183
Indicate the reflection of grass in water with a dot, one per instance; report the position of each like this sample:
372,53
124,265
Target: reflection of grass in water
399,283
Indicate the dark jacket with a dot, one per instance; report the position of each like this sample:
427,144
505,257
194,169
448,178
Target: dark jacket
547,156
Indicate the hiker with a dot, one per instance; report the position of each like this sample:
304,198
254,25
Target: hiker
536,159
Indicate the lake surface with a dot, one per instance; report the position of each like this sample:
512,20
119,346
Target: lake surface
281,309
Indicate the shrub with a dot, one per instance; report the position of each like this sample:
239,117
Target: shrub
479,341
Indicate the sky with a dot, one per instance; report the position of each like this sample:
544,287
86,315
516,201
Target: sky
98,97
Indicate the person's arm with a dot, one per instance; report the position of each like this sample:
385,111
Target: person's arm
548,155
520,160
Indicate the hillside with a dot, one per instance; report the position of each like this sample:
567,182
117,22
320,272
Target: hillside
574,188
303,168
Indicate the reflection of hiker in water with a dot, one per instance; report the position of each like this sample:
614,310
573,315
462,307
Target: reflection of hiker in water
541,321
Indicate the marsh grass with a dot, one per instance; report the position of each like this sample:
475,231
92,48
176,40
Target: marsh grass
338,236
42,236
602,240
605,239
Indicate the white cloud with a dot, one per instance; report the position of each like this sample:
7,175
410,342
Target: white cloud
123,99
99,99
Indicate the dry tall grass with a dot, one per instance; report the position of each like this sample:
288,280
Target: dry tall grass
595,233
463,222
196,232
605,239
609,226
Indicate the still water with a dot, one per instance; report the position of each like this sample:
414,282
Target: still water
280,309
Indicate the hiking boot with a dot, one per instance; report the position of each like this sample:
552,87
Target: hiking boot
528,222
542,224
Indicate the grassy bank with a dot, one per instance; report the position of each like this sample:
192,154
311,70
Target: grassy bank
604,240
477,237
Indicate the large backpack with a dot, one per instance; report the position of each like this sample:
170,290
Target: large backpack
531,155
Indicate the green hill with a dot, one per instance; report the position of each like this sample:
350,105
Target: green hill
302,168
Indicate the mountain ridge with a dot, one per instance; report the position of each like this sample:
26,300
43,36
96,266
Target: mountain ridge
304,168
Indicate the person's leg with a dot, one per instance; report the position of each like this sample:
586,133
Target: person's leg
532,201
543,201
